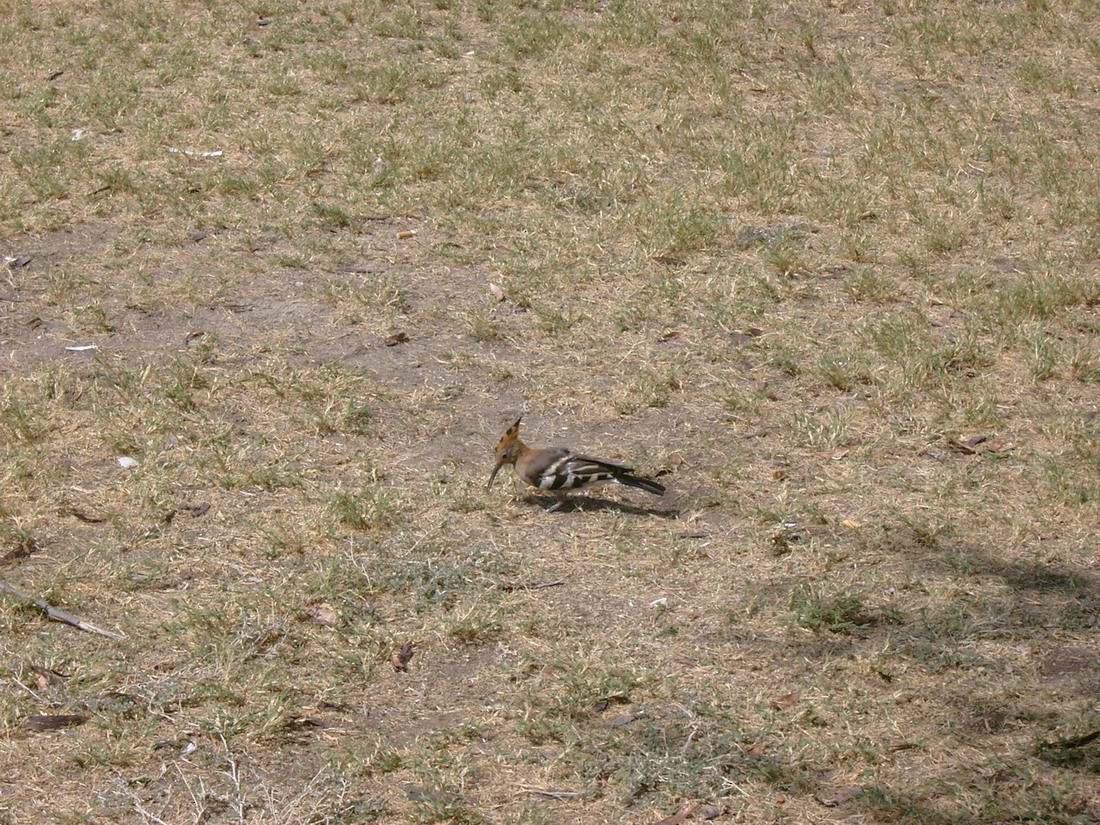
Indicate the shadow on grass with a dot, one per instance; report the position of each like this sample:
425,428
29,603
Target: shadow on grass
978,561
1045,595
1002,803
1044,613
588,504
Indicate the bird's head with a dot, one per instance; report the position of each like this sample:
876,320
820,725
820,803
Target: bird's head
508,450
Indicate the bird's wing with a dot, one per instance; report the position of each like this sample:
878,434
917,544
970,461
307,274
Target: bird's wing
561,469
607,466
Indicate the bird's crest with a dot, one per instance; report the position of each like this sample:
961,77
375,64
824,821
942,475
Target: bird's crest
513,431
510,437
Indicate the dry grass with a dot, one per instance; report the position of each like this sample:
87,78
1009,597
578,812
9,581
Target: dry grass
831,268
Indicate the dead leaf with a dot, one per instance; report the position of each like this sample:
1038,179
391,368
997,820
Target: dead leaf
46,676
758,749
23,548
396,338
300,722
787,701
678,817
401,657
497,291
53,722
84,517
668,260
996,445
183,745
322,613
839,797
195,510
839,454
600,705
967,446
418,793
670,334
743,336
708,811
621,720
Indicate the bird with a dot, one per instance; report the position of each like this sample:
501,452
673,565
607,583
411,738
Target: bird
559,470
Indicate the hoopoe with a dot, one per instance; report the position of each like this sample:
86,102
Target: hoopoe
559,470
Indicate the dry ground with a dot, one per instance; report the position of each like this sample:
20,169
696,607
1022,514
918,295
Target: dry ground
829,268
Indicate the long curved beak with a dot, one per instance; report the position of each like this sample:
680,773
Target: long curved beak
493,475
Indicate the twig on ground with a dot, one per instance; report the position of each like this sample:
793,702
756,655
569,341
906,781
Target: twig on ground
56,614
552,793
509,586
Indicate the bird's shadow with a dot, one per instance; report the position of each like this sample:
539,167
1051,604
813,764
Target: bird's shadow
583,504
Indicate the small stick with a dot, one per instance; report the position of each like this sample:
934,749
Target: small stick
38,698
56,614
552,793
523,586
557,583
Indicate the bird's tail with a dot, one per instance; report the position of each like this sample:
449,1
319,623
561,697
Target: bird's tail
641,483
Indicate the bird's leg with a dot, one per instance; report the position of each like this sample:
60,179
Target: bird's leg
560,501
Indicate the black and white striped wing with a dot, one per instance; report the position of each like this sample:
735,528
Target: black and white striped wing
570,471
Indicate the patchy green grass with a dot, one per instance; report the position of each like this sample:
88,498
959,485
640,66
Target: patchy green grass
277,277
